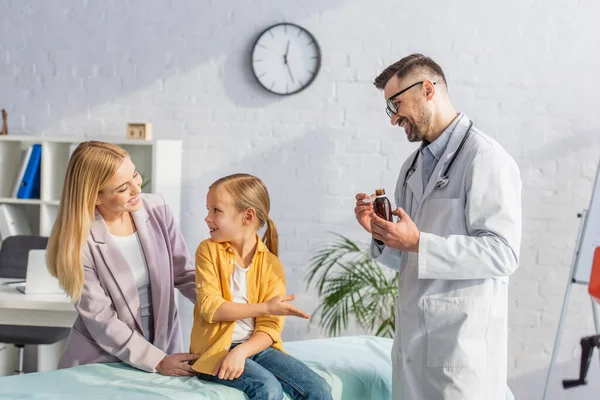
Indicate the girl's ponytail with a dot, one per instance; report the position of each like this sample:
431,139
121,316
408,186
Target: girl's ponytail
271,238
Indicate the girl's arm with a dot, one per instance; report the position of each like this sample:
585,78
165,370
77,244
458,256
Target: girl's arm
208,288
277,305
232,365
271,324
230,311
258,342
214,308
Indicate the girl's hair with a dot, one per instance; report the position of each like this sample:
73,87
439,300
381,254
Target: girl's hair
90,167
247,191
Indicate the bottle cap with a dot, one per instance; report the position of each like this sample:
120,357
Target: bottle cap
379,192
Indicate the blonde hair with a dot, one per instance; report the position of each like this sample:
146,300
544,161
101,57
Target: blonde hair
247,192
90,167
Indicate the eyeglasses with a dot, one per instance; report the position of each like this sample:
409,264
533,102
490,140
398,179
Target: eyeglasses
392,108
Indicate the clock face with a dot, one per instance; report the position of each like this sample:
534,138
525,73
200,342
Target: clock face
286,59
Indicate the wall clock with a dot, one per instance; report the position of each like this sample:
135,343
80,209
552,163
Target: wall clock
286,58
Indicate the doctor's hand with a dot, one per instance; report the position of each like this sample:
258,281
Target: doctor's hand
176,365
402,235
363,211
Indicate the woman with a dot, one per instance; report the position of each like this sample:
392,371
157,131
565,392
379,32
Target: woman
119,256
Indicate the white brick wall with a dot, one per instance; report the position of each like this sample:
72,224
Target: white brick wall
524,71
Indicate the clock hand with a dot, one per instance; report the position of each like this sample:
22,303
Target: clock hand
290,71
287,49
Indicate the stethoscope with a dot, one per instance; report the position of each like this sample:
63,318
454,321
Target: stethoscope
443,180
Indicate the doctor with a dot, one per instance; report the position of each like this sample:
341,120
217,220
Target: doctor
455,243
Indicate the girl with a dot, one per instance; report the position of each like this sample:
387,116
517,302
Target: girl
241,302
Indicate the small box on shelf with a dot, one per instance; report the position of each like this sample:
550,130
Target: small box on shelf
139,130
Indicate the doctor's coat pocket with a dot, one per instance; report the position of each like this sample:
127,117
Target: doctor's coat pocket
456,332
444,216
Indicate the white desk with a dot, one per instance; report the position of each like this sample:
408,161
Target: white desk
17,308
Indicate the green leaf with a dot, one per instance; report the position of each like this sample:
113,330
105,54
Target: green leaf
352,287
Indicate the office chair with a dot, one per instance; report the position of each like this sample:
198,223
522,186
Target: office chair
13,264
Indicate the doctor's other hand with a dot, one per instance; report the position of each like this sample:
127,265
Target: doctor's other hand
402,235
177,365
278,306
363,210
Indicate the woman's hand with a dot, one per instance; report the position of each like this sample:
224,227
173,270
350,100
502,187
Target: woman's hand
232,365
278,306
176,365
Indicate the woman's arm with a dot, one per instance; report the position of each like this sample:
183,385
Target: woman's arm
108,331
183,270
116,338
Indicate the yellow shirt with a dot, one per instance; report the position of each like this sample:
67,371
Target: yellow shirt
214,266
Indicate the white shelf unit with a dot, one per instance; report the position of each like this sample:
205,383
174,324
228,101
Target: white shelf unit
157,160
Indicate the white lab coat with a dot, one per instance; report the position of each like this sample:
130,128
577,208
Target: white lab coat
451,312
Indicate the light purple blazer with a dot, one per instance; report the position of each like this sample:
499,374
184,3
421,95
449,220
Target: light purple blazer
109,325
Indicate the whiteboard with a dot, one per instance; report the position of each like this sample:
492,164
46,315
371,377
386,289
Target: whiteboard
590,237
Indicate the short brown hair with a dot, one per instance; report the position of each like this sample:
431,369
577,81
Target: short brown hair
408,65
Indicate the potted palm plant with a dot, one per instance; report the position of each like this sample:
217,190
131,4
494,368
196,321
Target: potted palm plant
352,287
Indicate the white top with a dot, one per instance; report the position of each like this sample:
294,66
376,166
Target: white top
131,248
132,251
244,328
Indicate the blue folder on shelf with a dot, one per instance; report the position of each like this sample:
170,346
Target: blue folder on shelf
30,184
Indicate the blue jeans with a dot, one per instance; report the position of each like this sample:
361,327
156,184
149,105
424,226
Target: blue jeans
270,373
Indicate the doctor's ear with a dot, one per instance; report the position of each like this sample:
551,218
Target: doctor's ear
429,87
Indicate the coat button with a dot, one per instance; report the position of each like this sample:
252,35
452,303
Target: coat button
230,250
225,348
198,286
